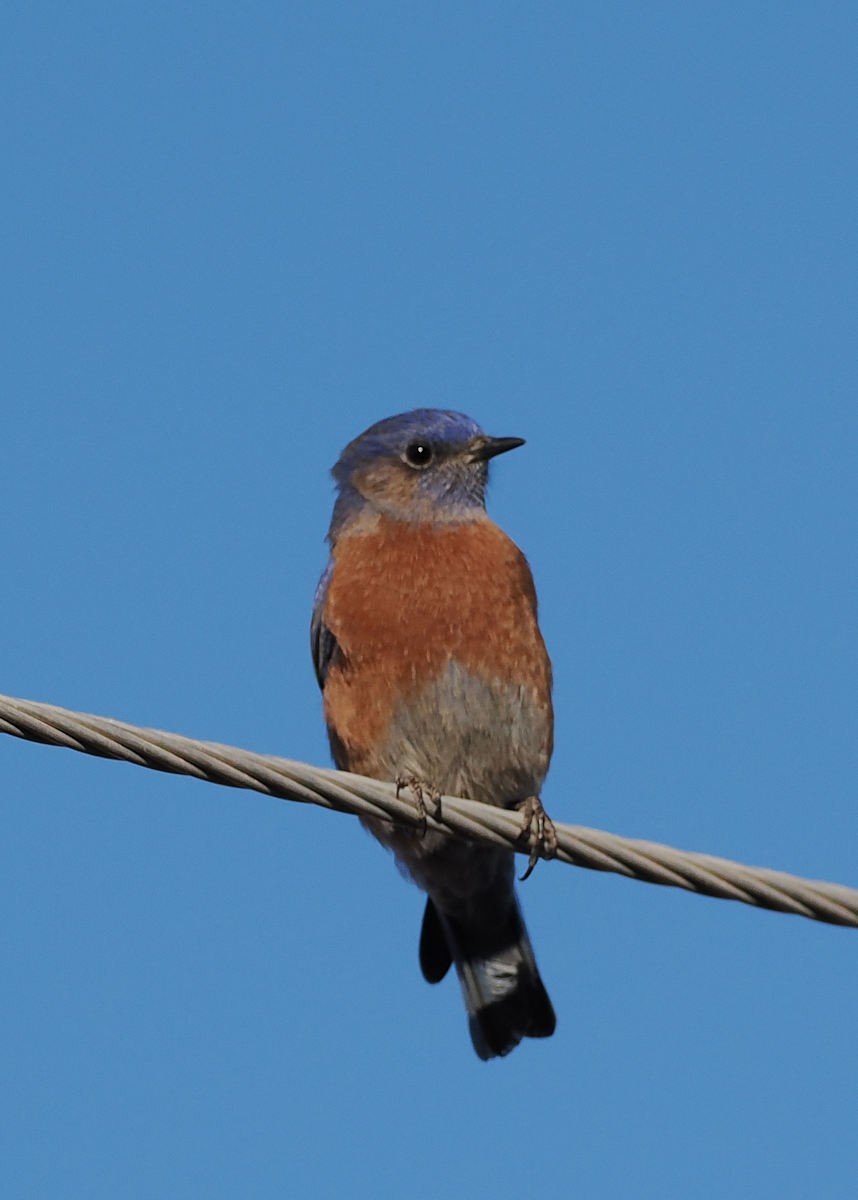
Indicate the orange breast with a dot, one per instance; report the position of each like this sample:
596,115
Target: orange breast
404,600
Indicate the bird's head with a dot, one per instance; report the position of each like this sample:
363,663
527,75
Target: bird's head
428,466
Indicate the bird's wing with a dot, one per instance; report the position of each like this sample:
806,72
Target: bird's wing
323,644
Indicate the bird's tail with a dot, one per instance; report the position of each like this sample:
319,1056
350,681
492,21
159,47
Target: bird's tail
504,995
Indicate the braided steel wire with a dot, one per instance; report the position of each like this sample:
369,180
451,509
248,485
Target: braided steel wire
578,845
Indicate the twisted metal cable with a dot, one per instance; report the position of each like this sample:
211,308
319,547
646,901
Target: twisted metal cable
577,845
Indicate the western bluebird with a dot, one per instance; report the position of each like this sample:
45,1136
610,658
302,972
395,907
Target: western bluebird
435,675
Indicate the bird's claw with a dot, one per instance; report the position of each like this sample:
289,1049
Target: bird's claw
420,790
538,833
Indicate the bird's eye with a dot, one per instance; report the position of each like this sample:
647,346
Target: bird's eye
418,454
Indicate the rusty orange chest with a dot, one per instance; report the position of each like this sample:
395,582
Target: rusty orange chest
403,601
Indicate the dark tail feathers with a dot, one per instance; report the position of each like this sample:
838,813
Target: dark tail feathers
504,995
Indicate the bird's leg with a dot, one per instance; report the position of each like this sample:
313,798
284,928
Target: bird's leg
420,789
538,833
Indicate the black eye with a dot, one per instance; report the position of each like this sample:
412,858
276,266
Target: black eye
418,454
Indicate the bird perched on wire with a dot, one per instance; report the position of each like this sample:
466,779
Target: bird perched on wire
435,675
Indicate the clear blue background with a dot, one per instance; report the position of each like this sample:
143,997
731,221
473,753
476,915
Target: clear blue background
232,237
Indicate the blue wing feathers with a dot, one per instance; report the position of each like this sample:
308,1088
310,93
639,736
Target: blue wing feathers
323,644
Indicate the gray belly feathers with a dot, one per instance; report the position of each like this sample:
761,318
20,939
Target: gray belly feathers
470,738
463,737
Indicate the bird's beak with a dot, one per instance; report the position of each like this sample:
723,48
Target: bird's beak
483,448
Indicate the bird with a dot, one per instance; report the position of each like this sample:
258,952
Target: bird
435,677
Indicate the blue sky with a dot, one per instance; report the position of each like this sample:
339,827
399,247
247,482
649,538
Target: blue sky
234,236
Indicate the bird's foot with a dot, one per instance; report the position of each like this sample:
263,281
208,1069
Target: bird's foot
421,790
538,833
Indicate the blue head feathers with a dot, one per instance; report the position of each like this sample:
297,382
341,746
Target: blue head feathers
429,465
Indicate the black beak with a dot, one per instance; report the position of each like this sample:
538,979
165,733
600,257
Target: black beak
484,448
